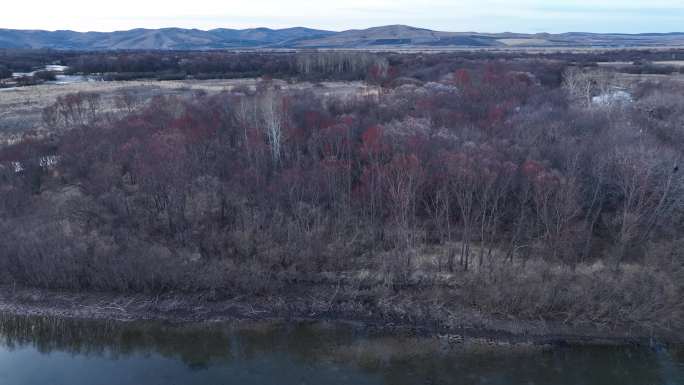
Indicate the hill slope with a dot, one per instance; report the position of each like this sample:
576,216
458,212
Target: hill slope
392,36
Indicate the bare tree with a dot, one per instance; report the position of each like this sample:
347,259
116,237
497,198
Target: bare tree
463,186
556,203
644,178
403,177
273,119
579,85
127,99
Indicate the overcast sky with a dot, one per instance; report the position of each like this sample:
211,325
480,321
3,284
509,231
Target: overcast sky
628,16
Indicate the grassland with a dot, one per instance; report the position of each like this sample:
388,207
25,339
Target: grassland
21,108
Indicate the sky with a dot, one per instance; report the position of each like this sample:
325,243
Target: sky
525,16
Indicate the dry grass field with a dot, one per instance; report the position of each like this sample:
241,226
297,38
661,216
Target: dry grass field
633,79
675,63
21,108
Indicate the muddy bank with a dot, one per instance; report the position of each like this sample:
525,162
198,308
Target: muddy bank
201,308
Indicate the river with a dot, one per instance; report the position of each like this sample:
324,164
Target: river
60,77
50,351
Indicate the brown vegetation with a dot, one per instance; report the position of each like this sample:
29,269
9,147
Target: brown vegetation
482,189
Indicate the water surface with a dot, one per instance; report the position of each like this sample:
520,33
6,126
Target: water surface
41,351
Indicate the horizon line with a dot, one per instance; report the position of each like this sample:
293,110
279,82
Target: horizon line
337,31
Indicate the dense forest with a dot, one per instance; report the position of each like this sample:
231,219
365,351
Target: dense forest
516,186
304,65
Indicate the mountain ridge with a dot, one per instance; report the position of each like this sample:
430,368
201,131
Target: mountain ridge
389,36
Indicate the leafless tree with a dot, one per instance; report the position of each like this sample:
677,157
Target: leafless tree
645,179
273,118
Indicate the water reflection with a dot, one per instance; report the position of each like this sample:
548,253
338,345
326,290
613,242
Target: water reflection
41,351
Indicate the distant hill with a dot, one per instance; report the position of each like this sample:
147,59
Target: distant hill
392,36
397,35
165,38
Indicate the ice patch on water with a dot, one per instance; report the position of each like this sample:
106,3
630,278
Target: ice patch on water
613,98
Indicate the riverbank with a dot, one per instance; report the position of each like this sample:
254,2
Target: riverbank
201,308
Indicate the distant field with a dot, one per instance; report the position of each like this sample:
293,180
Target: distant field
676,63
636,78
524,42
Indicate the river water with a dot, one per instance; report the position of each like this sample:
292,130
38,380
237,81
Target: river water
49,351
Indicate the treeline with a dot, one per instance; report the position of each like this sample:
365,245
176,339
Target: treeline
27,60
649,68
212,65
303,65
333,65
